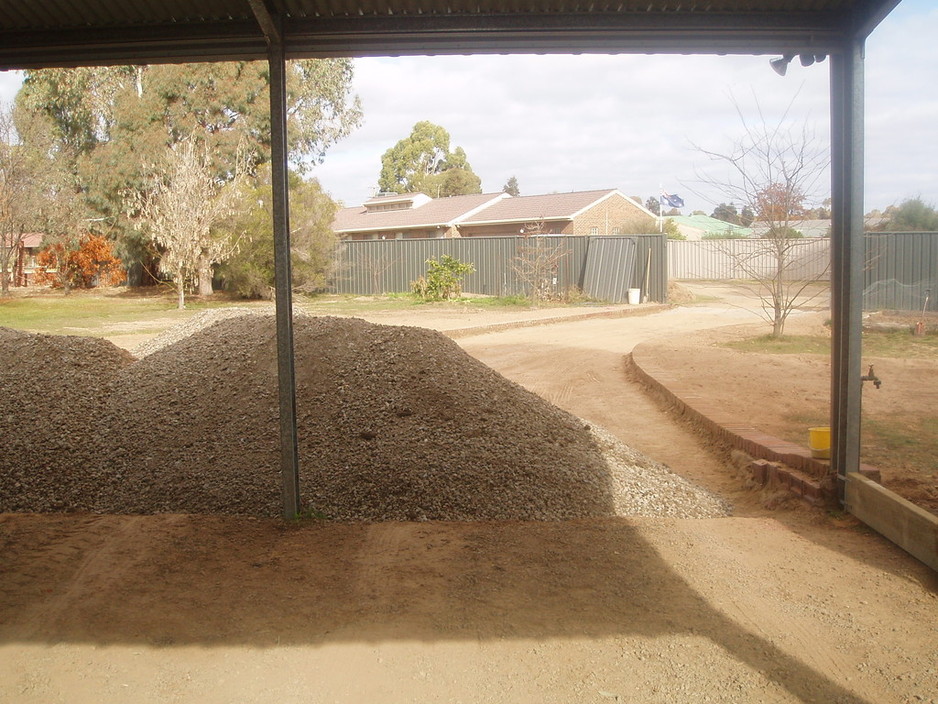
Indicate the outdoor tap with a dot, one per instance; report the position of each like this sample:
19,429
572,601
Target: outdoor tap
870,376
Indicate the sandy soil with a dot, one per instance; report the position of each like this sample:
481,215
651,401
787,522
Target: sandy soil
783,605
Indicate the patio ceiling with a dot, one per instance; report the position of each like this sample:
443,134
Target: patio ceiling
47,33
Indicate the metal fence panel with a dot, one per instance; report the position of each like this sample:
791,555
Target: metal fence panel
610,268
371,267
900,268
722,260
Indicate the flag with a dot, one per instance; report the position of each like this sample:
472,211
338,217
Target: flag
675,201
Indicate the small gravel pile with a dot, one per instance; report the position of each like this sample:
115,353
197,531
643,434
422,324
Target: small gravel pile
395,423
54,393
195,324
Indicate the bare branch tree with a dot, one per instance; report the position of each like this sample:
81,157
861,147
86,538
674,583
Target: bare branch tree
775,170
537,261
180,210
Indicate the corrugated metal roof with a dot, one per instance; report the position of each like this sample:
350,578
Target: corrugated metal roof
72,32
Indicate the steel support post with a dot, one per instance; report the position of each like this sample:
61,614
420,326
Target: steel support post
286,378
847,256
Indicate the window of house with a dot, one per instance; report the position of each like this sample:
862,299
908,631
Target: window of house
615,230
594,230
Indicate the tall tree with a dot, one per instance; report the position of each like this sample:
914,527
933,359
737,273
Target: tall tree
35,195
511,187
912,215
422,163
116,122
774,171
181,209
250,271
653,204
726,212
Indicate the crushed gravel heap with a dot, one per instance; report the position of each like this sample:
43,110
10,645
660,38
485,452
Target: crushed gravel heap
197,322
395,423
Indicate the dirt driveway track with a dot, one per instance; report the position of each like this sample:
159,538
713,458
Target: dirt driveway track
790,605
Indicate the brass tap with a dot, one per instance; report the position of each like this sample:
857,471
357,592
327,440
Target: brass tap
870,376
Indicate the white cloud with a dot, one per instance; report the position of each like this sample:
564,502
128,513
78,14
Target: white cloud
562,123
10,82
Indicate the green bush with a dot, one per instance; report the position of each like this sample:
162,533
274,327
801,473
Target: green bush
443,280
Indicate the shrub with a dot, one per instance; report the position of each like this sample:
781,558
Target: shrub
92,263
443,280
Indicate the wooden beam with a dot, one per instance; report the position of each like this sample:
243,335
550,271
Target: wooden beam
913,529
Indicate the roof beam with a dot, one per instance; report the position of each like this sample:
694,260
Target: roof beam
266,20
247,39
868,17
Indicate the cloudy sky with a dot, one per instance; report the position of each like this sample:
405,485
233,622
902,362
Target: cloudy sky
562,123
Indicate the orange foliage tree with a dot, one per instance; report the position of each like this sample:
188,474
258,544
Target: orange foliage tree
92,263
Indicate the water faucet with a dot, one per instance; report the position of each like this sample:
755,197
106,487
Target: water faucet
870,376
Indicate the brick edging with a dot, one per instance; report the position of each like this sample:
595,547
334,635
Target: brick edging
803,474
641,309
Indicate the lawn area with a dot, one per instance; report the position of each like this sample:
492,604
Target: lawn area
892,345
899,428
100,313
94,313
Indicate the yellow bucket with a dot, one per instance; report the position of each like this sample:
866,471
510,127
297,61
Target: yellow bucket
819,440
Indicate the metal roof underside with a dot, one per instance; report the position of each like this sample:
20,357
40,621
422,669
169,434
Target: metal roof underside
47,33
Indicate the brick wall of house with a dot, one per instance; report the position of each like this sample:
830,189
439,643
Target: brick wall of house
428,233
513,229
603,218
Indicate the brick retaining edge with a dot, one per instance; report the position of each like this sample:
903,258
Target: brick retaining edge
775,461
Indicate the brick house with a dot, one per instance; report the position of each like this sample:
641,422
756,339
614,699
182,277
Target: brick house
22,261
603,212
409,215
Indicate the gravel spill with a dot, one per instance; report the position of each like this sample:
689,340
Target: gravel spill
394,423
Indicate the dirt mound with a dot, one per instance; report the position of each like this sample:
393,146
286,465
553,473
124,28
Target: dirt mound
395,424
54,394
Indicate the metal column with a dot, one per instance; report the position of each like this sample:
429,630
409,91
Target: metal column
289,455
847,255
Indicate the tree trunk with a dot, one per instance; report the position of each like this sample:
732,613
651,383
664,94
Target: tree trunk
181,296
205,279
205,276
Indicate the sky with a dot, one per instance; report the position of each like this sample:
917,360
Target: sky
562,123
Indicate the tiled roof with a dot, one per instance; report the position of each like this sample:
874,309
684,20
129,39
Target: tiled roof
30,239
553,206
441,212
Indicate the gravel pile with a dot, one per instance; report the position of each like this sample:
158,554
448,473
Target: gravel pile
395,423
191,326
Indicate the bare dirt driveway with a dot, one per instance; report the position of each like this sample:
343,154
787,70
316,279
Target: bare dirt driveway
784,605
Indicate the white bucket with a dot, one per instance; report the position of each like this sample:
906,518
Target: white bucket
635,296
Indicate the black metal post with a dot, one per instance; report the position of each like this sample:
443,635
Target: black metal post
847,255
289,455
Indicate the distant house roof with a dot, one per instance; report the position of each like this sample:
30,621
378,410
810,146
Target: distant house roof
697,226
552,206
30,240
425,212
808,228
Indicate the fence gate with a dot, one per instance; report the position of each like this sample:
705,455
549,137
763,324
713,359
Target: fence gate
610,268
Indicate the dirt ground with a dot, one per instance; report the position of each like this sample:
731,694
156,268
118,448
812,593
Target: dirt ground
783,604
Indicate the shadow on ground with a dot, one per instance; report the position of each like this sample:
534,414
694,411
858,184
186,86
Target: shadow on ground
179,580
